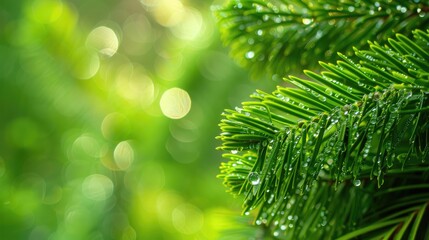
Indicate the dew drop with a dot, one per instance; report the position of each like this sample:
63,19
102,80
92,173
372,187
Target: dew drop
307,21
408,94
254,178
328,91
250,54
393,108
258,8
265,17
264,143
357,182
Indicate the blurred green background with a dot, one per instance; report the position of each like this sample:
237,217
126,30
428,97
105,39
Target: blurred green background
108,117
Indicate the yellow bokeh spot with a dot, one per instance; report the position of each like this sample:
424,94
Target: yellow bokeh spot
115,126
97,187
190,25
104,40
175,103
133,84
85,145
88,64
123,155
169,13
187,219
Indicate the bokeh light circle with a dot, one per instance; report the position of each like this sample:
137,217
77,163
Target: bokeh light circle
187,219
97,187
123,155
175,103
104,40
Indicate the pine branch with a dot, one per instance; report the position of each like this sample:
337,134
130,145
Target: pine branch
279,36
404,216
342,127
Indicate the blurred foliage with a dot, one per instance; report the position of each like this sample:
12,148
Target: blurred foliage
278,37
86,149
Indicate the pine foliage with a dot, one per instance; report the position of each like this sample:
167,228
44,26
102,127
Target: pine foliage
277,36
343,153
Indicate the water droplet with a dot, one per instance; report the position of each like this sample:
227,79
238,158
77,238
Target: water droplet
250,54
258,7
357,182
408,94
265,17
328,91
276,233
394,108
234,151
264,143
307,21
254,178
403,9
